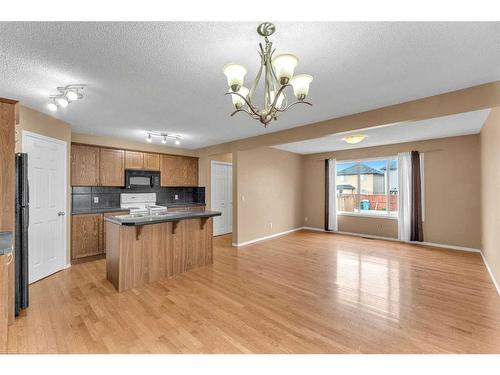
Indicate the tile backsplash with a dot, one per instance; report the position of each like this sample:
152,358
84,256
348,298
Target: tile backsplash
87,197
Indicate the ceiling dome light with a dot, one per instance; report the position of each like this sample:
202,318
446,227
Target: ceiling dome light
52,107
71,95
353,139
149,138
235,75
164,140
177,141
62,102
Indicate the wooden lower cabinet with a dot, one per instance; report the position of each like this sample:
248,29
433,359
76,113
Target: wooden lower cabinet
86,236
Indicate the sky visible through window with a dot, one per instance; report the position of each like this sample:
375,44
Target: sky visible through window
377,164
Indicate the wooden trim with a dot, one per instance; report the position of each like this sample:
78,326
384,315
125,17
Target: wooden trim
8,101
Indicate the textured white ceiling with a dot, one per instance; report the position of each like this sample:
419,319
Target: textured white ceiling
438,127
168,76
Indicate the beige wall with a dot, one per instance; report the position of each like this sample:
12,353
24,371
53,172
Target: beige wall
48,126
490,190
270,181
452,199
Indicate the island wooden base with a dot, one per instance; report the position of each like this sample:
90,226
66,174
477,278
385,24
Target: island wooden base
137,255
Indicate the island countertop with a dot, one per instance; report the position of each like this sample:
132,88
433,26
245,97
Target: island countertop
131,220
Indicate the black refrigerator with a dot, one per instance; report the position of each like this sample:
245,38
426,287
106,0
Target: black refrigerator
22,222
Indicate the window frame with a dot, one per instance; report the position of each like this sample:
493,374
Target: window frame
387,214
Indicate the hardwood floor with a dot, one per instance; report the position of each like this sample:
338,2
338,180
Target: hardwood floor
306,292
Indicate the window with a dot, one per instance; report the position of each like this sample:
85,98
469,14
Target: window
367,187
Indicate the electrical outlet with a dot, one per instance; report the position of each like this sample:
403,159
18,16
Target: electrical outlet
96,199
306,218
176,196
271,224
242,197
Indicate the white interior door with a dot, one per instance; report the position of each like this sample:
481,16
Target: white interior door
47,204
222,196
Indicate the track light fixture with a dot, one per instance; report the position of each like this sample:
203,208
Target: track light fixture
67,95
164,137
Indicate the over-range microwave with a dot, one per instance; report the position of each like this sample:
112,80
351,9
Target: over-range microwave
141,179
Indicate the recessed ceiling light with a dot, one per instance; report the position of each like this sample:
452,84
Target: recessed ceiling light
177,141
164,140
52,107
353,139
149,138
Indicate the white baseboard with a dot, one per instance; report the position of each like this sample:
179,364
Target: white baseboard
490,272
449,247
266,238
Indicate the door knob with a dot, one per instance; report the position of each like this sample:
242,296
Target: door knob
61,213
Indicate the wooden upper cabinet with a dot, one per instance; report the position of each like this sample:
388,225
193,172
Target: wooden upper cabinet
84,165
171,170
151,161
191,165
178,171
134,160
112,171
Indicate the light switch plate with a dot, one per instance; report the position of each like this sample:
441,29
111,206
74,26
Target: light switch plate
96,199
176,196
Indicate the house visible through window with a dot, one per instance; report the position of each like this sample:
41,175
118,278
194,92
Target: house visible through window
367,187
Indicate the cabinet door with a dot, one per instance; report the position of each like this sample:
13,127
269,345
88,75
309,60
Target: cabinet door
134,160
171,170
86,235
191,174
112,167
151,161
84,165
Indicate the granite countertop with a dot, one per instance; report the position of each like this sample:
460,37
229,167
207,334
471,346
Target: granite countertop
156,219
5,243
96,210
81,211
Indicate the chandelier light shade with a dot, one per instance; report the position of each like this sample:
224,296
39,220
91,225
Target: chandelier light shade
300,84
235,75
277,73
239,101
284,66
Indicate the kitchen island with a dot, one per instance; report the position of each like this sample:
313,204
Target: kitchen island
141,249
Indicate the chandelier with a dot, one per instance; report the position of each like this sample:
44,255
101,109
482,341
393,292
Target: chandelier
278,75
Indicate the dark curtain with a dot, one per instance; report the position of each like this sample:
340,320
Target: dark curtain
417,233
327,195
